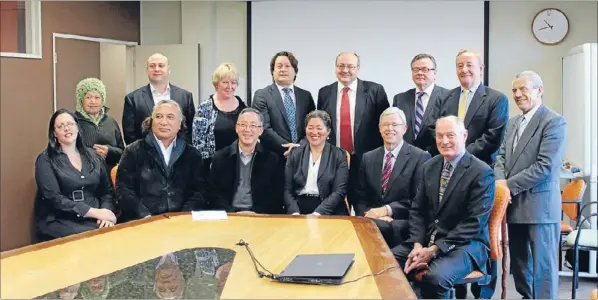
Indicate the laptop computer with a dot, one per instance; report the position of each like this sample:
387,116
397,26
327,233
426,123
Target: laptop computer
324,269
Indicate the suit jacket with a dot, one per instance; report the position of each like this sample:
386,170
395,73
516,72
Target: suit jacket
266,184
425,139
461,219
333,176
140,103
532,169
371,101
485,120
276,126
402,185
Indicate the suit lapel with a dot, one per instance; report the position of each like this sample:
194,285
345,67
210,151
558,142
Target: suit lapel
305,161
410,113
149,99
324,160
434,186
277,98
332,99
509,139
377,170
300,109
527,134
431,102
458,173
360,103
400,163
476,101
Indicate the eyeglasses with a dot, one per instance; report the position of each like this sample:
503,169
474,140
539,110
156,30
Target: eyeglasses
350,67
250,126
423,70
391,124
63,126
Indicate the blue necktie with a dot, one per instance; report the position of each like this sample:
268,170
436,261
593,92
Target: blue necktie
289,107
419,113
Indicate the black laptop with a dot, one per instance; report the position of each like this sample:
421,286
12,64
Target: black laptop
326,269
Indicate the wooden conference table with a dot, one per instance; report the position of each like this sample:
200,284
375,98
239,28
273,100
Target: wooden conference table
41,269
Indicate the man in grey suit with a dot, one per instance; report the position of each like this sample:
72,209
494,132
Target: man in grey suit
528,164
419,102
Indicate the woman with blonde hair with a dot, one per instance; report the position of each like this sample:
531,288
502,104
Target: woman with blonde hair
216,118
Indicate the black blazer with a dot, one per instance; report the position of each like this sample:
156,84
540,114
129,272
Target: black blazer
402,185
426,139
140,103
485,120
333,176
371,101
461,219
266,183
276,126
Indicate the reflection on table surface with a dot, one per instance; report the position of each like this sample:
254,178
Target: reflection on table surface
198,273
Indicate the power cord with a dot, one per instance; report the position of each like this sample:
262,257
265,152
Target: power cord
273,276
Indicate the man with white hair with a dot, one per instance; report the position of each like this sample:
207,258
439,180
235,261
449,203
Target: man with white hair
388,179
449,215
528,164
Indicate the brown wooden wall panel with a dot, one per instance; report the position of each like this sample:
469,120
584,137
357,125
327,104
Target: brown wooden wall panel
9,41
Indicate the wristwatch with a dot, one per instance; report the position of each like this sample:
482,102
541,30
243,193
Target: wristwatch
433,252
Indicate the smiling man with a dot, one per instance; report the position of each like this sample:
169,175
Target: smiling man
138,104
388,179
483,111
161,173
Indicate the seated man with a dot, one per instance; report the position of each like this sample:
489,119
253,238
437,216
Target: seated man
161,173
449,216
244,174
388,179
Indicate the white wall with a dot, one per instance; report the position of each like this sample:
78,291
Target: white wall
513,48
160,22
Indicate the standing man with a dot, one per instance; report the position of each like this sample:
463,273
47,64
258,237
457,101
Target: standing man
449,216
140,103
354,106
283,105
528,164
418,103
483,110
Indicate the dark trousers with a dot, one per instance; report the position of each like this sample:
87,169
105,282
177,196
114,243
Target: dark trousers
443,271
395,232
534,259
58,228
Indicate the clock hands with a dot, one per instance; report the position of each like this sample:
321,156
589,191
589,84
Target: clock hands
543,28
548,25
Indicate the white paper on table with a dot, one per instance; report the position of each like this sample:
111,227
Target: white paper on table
209,215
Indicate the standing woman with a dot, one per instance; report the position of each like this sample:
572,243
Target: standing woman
74,191
216,118
99,131
317,173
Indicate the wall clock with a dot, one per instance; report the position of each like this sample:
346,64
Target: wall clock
550,26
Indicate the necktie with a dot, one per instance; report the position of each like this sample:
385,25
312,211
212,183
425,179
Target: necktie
419,113
463,105
444,179
518,131
289,107
346,138
386,171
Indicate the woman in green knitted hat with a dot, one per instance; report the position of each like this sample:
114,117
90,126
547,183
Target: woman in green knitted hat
98,130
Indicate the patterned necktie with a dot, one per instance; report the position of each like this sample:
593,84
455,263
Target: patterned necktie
444,179
419,113
519,130
289,107
386,171
463,105
346,138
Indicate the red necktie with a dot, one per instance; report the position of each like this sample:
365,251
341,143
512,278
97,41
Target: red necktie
386,172
346,138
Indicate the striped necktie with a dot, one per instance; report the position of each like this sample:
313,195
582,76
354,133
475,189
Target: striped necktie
386,171
419,113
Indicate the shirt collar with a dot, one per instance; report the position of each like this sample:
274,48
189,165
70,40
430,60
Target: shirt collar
455,160
427,91
395,151
528,116
243,154
280,88
154,91
474,88
172,145
352,86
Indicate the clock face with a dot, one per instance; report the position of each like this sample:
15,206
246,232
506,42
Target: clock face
550,26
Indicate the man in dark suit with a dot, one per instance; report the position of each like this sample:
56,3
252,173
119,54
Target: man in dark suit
140,103
483,110
418,103
528,164
449,216
244,173
283,105
388,179
354,105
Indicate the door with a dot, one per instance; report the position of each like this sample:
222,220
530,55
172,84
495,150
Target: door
113,73
75,60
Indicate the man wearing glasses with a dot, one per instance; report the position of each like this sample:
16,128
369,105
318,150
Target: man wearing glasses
418,103
250,169
354,106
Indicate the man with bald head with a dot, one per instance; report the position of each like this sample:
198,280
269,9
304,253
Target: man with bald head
354,106
449,215
140,103
483,111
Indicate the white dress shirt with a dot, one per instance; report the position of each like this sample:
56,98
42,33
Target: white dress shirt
470,94
352,98
166,152
159,97
425,96
393,159
521,127
311,183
